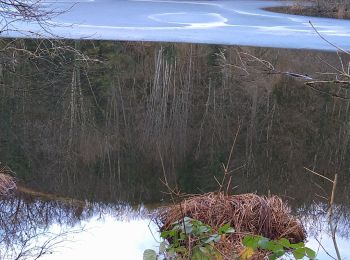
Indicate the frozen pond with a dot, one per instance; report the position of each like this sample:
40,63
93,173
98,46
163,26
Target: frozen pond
84,142
106,231
232,22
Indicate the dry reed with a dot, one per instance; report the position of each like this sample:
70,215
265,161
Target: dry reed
7,182
246,213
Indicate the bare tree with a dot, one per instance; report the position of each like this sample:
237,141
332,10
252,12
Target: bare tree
13,12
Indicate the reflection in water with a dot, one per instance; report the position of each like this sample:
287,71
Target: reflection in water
33,227
315,219
54,230
25,228
95,131
107,237
324,247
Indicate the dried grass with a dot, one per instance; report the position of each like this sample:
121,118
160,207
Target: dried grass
246,213
7,182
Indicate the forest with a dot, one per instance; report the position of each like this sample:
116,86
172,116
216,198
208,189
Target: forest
108,116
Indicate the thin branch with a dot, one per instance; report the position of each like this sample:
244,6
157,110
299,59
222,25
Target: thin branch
330,217
325,249
330,43
320,175
325,92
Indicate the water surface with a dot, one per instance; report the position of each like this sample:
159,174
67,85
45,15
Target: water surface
93,140
233,22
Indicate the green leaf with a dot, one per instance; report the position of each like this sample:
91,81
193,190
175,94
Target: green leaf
230,230
188,219
279,252
168,233
216,238
224,228
263,242
298,245
272,257
182,236
179,224
188,229
181,250
274,247
213,238
149,254
284,242
180,221
310,253
251,241
299,253
203,229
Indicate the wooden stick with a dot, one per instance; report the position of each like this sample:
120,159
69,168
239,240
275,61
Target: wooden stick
330,217
318,174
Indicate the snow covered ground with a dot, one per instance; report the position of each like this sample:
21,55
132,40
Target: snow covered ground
240,22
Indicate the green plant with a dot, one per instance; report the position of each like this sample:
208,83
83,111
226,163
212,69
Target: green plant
189,239
278,247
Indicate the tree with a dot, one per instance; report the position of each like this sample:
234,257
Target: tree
13,12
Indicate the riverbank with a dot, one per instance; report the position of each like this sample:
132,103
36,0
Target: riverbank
337,12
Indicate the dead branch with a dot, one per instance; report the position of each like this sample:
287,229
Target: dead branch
7,181
332,227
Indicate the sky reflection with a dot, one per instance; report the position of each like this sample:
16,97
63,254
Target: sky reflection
106,238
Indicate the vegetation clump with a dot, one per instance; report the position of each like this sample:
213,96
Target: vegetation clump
7,182
320,8
247,214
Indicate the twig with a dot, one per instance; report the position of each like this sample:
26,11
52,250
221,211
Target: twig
330,217
345,82
325,249
325,92
225,167
320,175
330,210
172,192
330,43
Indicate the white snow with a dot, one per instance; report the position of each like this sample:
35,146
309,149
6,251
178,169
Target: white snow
234,22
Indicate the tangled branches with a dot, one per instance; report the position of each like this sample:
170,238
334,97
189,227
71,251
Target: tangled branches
7,182
13,12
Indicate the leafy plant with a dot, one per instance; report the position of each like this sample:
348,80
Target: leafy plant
278,247
189,239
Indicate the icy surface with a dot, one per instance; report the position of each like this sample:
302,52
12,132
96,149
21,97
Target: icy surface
240,22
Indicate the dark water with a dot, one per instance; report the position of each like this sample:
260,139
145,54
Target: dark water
101,135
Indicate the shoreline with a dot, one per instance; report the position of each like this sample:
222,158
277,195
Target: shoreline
311,11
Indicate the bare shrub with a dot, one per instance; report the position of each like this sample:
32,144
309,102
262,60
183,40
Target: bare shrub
7,182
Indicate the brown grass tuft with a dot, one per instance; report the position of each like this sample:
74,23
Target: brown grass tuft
246,213
7,182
